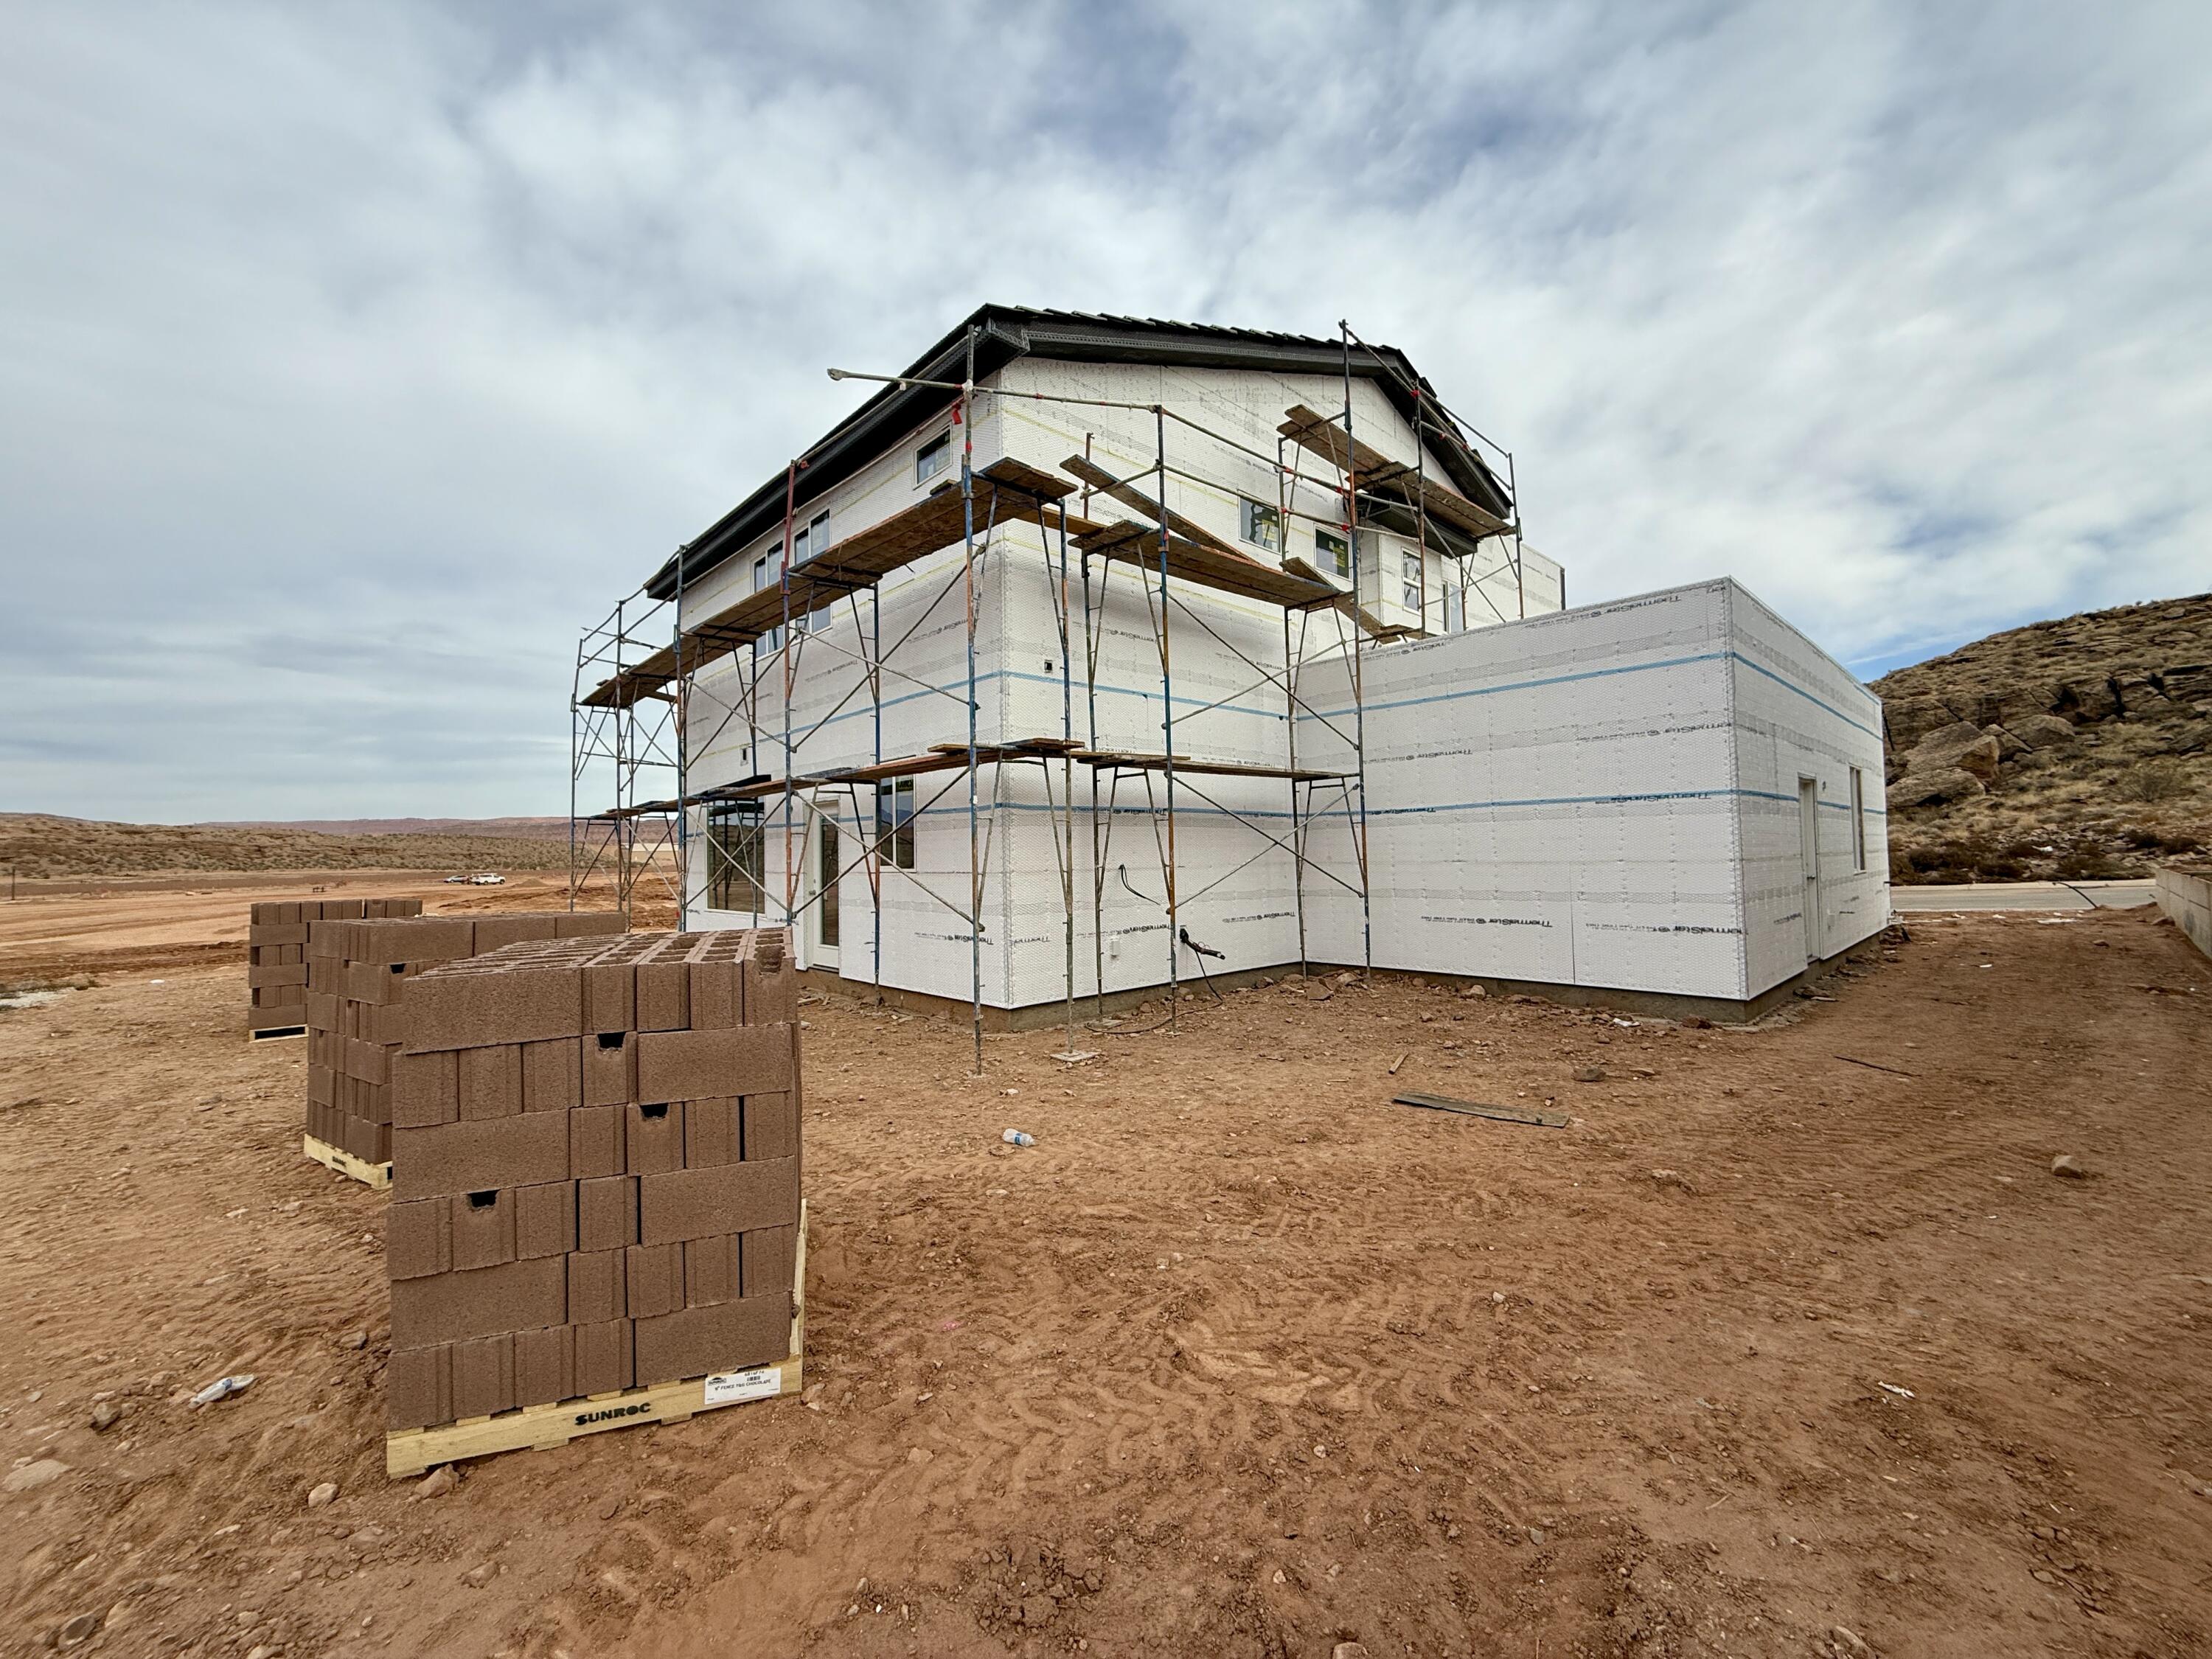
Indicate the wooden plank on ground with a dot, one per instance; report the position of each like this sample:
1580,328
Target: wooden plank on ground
1536,1115
376,1176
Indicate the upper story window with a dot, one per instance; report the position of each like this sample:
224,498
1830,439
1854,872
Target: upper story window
1262,525
932,458
1333,554
1409,579
1455,608
809,538
764,575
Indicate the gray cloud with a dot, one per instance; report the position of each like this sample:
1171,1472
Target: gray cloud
350,361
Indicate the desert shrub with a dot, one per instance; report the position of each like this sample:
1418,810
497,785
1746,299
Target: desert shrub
2146,839
2154,780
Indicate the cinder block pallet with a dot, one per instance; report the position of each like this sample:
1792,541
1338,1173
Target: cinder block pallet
412,1452
378,1175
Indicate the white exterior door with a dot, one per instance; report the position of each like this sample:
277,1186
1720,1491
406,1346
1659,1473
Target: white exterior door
829,858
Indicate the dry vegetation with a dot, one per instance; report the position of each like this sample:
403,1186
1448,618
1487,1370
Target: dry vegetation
2098,757
37,844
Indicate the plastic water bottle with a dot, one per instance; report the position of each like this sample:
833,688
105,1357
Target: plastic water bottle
1018,1138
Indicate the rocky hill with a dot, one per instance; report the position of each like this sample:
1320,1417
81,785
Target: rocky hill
40,844
2072,750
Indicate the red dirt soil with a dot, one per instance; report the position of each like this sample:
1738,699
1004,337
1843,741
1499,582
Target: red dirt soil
1240,1358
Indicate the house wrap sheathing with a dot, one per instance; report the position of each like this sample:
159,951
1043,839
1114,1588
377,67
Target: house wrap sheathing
1675,794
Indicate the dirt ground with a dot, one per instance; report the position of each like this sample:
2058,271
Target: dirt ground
1240,1358
98,925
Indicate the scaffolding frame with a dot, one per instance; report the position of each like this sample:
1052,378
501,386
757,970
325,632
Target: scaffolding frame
1321,623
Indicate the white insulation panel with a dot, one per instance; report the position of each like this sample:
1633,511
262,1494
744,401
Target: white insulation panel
1608,797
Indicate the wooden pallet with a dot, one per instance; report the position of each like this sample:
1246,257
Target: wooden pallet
277,1031
412,1452
378,1175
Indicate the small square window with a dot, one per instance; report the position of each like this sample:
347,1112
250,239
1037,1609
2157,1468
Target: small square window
1262,525
1333,554
932,458
1409,579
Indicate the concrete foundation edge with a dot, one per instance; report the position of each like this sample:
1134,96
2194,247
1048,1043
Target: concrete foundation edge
1045,1016
2185,896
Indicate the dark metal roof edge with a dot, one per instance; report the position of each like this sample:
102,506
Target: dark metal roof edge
1006,333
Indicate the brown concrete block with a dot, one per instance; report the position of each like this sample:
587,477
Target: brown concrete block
426,1089
730,1198
712,1134
728,1336
454,1307
611,997
604,1358
597,1285
771,993
770,1260
417,1241
652,1138
461,1005
772,1125
595,1141
418,1387
663,1000
703,1065
544,1365
494,932
711,1270
606,1213
526,1150
653,1279
553,1075
491,1082
544,1220
483,1375
483,1225
717,998
609,1068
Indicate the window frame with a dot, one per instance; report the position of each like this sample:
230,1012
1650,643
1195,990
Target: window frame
895,828
1410,587
735,863
1335,561
1252,516
940,448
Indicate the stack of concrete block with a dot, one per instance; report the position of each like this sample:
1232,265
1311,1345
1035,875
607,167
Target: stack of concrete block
358,970
595,1170
276,946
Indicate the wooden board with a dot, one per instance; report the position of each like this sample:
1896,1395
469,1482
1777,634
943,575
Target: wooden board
1006,491
412,1452
378,1175
1324,438
1125,761
1531,1115
268,1032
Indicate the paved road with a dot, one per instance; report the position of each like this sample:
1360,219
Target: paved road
2024,895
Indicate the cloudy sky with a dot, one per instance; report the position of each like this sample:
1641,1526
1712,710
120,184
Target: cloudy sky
352,358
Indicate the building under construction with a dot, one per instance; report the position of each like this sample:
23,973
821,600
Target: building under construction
1093,656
